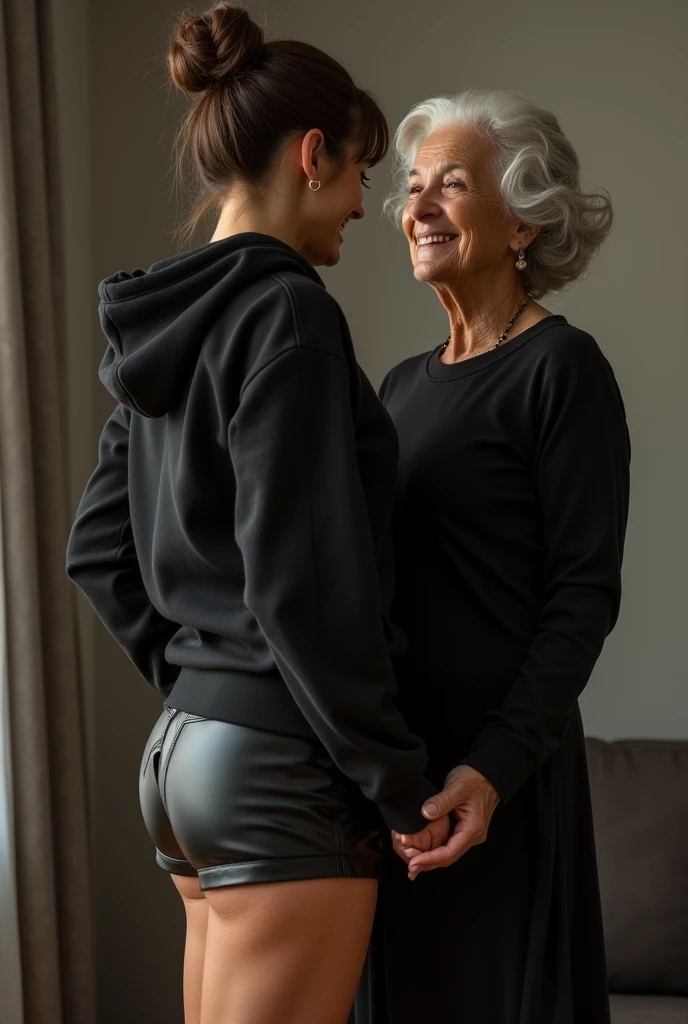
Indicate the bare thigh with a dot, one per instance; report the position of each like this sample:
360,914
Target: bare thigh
196,908
286,951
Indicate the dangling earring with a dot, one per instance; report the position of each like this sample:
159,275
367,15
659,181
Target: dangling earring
521,261
314,185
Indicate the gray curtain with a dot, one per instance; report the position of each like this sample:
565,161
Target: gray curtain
45,709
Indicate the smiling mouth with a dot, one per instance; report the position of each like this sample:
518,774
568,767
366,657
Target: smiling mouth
435,240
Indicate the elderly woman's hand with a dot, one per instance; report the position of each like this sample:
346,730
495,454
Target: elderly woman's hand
429,838
473,800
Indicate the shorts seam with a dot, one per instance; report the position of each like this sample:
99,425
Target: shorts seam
148,756
341,866
165,765
183,720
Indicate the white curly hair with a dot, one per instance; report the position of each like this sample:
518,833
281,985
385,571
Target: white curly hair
538,173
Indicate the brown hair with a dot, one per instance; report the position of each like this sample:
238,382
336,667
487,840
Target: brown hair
255,95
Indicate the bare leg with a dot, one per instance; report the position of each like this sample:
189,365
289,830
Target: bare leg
196,907
286,951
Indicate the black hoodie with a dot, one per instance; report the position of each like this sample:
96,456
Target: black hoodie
234,537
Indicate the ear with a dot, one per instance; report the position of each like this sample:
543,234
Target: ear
523,236
312,153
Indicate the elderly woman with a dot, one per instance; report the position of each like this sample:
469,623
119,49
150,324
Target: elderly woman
509,528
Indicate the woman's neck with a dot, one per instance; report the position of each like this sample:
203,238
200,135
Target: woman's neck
275,218
479,313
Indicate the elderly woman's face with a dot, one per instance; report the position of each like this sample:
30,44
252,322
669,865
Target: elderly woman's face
454,220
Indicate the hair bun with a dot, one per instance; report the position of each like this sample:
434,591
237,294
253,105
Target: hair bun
210,48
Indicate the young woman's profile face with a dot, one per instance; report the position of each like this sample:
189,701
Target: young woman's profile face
329,209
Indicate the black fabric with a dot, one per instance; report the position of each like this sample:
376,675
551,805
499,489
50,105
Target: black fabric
237,806
510,934
509,527
238,518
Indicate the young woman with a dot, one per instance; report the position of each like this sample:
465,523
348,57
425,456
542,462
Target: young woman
233,539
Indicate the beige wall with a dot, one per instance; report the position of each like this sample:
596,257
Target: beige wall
614,73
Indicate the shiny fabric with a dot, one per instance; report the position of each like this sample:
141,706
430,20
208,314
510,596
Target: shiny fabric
236,805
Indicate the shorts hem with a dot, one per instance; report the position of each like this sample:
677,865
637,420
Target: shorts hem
275,869
174,865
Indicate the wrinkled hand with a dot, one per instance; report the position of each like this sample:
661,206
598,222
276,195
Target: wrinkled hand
473,800
429,838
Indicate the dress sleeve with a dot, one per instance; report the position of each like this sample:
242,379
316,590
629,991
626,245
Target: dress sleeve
311,576
101,560
581,476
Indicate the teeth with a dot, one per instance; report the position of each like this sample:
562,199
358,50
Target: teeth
429,239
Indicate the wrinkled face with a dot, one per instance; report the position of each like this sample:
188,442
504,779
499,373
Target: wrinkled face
328,210
455,222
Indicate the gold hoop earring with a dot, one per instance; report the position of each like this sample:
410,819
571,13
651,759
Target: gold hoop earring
521,261
314,185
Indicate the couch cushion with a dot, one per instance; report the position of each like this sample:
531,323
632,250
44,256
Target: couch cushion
649,1010
640,804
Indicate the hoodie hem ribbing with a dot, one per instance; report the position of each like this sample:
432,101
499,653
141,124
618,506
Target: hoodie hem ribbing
240,698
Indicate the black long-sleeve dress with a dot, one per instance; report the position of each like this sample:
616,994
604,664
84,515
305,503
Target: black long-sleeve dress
509,529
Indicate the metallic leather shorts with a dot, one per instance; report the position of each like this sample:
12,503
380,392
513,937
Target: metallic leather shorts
235,805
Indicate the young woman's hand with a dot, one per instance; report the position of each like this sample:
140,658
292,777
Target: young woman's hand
431,837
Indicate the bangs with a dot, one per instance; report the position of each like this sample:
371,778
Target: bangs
372,130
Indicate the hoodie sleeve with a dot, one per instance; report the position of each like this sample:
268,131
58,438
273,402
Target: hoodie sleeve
311,576
101,560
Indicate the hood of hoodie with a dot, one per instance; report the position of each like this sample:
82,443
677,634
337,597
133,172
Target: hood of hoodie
155,320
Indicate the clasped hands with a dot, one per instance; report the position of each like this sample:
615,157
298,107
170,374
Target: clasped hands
467,803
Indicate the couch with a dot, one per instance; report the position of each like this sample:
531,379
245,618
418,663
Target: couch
640,806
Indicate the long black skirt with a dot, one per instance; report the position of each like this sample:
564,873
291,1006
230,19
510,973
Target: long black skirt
510,934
